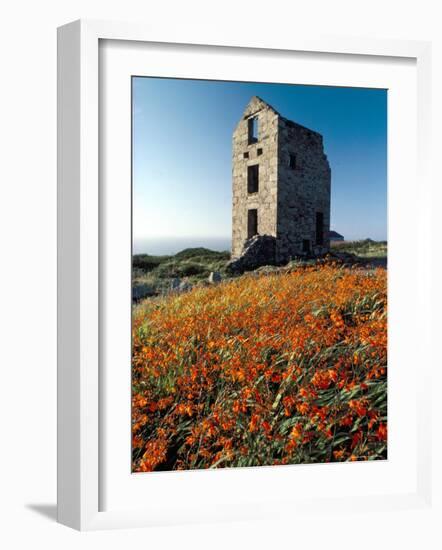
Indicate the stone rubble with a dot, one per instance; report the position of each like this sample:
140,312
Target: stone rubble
214,277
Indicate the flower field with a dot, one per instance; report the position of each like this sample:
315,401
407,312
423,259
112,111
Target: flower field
285,368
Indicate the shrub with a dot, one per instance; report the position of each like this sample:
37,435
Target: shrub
202,254
189,269
146,262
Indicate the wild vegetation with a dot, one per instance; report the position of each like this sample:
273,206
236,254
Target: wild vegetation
278,368
153,274
366,248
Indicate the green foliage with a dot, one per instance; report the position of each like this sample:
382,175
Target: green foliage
202,253
181,269
366,248
146,262
192,264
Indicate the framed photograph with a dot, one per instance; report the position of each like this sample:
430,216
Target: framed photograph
233,342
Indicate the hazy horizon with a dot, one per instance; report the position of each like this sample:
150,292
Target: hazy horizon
169,245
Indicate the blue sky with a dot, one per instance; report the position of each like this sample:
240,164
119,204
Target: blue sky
182,132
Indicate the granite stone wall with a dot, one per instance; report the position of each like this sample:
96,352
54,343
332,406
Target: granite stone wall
303,191
265,153
294,184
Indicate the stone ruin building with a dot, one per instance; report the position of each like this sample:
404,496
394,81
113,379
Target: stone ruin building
281,188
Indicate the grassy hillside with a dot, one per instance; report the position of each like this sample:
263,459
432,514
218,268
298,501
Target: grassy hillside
262,369
155,273
366,248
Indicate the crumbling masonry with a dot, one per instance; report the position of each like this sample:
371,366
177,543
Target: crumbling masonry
281,184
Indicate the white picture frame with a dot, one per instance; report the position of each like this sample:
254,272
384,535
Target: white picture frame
80,292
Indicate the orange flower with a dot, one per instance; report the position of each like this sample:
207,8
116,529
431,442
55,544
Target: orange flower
296,431
303,408
253,424
356,439
381,433
338,454
323,379
155,453
266,426
359,406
